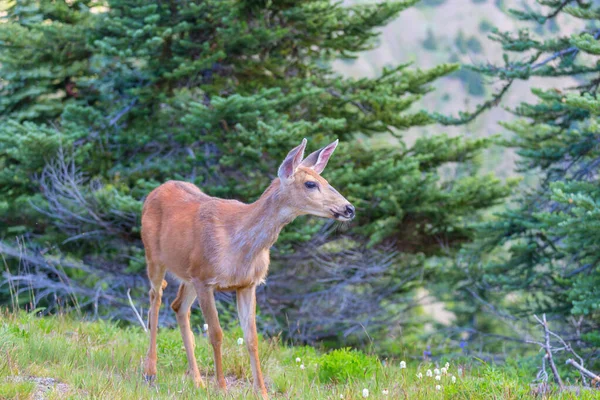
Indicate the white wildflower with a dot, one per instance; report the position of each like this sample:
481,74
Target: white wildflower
444,371
460,372
436,371
420,375
447,365
365,392
453,379
205,327
438,378
438,387
402,364
301,366
298,359
341,396
385,392
240,341
428,373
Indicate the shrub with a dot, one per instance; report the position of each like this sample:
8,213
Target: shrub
343,364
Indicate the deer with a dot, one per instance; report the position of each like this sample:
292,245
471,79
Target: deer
211,244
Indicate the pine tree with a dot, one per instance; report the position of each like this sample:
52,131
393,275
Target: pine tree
546,246
216,93
43,53
38,71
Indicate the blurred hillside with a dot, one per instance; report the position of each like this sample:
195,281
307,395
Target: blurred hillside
439,31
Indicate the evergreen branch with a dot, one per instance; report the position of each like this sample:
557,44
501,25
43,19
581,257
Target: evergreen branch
120,114
523,68
472,332
489,305
338,95
589,87
466,117
580,270
554,56
558,10
573,49
112,122
541,19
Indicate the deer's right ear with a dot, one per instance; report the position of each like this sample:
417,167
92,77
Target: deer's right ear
291,162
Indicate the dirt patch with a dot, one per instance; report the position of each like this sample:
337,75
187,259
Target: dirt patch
43,386
234,382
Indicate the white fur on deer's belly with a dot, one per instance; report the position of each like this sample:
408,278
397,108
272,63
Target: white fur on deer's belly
247,272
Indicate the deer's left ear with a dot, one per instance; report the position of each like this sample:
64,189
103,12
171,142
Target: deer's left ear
318,160
291,162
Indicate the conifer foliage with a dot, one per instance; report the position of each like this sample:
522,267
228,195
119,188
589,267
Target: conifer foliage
99,105
546,246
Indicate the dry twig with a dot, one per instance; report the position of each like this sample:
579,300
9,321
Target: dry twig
547,347
137,314
564,346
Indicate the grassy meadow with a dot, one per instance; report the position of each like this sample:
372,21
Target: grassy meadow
100,360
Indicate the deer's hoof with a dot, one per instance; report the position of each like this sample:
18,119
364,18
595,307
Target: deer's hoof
150,379
196,378
261,391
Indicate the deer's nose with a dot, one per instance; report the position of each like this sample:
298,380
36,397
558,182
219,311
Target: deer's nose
350,211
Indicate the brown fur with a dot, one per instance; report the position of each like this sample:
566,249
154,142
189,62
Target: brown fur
216,244
224,243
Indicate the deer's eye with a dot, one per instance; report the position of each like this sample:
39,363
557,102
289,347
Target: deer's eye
310,184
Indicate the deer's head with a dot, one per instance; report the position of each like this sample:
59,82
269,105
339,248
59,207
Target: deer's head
306,191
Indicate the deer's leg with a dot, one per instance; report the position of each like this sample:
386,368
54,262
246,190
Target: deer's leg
156,273
246,305
206,298
181,306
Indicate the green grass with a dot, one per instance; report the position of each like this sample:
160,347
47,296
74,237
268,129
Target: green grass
16,390
102,361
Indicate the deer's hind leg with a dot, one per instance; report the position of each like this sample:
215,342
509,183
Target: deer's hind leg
156,274
182,306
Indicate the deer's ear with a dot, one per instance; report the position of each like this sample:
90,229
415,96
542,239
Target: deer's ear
291,162
318,160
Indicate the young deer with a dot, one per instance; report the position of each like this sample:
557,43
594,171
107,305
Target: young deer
215,244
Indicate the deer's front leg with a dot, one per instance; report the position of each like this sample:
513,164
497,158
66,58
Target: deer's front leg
206,298
246,305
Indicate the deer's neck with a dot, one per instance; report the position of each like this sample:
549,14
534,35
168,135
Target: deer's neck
265,219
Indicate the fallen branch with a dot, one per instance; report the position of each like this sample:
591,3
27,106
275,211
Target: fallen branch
583,370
